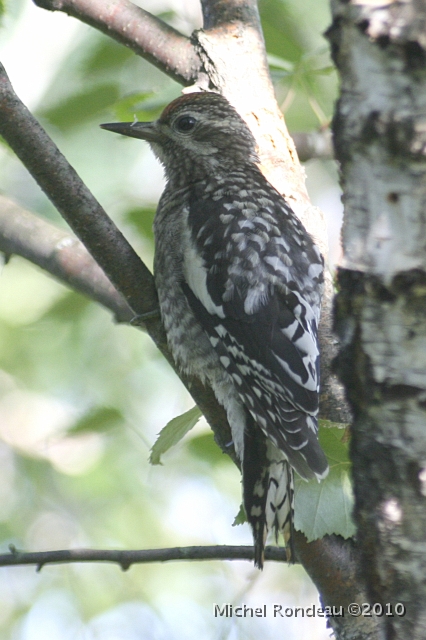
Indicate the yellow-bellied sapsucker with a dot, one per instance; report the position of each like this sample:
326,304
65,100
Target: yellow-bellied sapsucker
239,283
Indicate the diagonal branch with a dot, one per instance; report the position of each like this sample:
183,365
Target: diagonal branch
169,50
60,254
147,35
99,234
74,201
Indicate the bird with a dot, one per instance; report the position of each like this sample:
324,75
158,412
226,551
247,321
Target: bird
239,283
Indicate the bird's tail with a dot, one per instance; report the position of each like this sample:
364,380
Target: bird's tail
268,491
280,498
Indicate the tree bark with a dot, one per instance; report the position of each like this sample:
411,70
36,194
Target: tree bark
380,140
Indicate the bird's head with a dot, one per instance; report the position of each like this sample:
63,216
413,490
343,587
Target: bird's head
195,134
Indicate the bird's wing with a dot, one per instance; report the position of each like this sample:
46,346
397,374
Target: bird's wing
243,285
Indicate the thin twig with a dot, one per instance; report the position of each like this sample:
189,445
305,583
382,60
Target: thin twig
147,35
126,558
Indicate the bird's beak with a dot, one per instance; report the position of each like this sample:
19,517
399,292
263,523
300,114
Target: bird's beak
144,130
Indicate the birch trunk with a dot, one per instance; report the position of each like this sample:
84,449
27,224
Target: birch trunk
380,141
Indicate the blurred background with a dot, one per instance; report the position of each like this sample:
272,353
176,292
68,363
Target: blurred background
82,399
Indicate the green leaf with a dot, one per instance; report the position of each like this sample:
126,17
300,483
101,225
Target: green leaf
145,106
141,218
324,71
281,32
132,105
81,107
173,432
100,419
204,447
68,307
241,517
105,56
325,507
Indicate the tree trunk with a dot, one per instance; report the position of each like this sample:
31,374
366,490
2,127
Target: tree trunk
379,130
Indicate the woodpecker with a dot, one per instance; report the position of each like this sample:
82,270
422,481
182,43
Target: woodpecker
239,284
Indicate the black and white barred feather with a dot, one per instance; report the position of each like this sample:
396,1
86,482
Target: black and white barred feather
239,282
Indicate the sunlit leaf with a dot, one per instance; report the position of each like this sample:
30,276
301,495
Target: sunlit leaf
126,108
173,432
241,517
324,71
326,507
277,20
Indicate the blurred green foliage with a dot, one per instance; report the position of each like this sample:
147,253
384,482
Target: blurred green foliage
82,399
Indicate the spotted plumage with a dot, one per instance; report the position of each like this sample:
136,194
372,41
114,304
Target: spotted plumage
239,282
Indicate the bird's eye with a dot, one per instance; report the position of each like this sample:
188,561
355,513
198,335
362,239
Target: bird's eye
184,124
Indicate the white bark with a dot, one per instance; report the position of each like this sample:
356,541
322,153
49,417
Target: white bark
380,139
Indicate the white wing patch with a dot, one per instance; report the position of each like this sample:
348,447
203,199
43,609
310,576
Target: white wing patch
196,275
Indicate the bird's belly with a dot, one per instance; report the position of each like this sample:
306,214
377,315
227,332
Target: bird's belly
193,353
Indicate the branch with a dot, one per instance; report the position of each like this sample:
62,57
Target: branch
337,584
334,552
60,254
99,234
126,558
169,50
314,144
217,13
74,201
145,34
